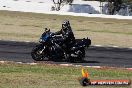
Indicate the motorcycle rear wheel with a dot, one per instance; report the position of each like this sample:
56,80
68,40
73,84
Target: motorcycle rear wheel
80,56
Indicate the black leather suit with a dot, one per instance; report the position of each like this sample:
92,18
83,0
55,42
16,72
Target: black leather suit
68,38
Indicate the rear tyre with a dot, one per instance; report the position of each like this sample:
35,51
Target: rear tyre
77,56
81,55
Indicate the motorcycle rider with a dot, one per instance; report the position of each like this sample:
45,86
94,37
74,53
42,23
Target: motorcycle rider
67,38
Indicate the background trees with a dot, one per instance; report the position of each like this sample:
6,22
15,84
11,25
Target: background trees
116,5
59,3
113,7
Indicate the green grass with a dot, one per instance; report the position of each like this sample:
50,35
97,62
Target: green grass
21,26
53,76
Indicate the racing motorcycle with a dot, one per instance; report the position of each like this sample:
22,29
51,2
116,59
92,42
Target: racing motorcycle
49,49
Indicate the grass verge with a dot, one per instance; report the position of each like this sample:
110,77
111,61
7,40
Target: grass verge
14,75
21,26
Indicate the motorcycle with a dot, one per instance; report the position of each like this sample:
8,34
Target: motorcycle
49,49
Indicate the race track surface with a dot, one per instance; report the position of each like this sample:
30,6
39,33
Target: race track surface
95,56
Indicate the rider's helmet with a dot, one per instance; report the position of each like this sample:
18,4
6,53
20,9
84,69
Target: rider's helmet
65,24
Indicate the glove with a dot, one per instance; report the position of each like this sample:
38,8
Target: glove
52,34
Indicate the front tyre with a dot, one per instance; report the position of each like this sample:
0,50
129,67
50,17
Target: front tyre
36,53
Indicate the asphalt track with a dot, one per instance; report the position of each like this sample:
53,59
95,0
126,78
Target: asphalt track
95,56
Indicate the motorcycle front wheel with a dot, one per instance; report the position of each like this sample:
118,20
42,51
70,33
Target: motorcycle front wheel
37,54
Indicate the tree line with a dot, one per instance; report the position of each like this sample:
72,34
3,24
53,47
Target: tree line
113,5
